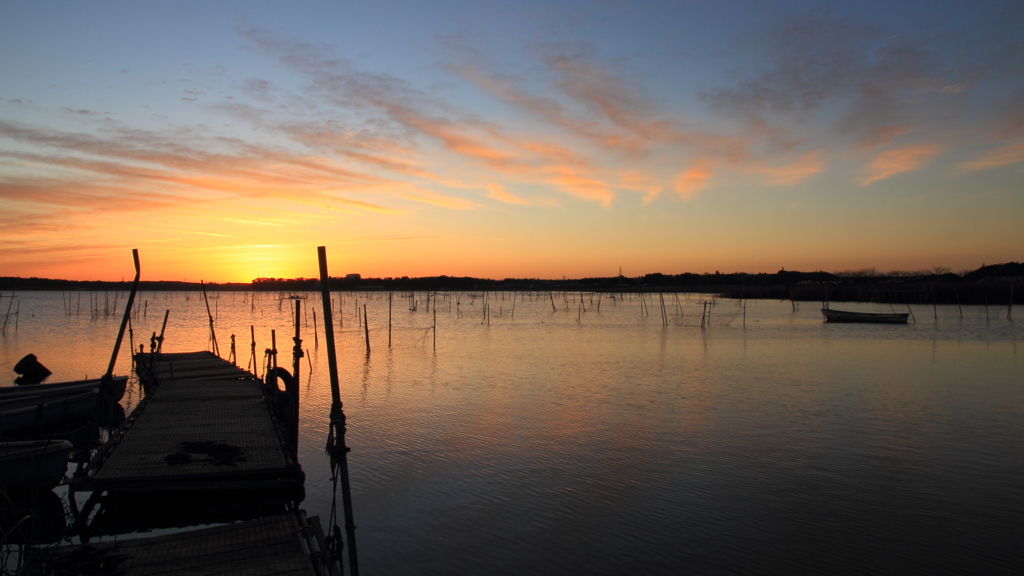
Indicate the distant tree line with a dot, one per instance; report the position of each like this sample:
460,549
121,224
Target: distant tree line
994,284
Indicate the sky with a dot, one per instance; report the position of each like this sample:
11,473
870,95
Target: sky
227,140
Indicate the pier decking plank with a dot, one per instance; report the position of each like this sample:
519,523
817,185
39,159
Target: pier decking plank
196,434
155,368
274,546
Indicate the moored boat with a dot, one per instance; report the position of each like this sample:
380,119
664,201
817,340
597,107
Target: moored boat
869,317
119,384
46,410
33,463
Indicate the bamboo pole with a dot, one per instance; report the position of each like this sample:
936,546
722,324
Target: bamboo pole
252,350
272,360
6,318
366,330
293,392
213,335
336,438
1009,309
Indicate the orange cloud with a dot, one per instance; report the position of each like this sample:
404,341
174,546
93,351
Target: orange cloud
499,193
691,181
883,135
893,162
807,165
1003,156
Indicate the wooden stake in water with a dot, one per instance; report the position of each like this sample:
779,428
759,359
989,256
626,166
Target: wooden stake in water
336,440
1009,309
366,330
213,335
252,358
390,298
294,389
6,318
272,360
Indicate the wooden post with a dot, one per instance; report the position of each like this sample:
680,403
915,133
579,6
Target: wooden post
252,347
1009,309
390,298
213,335
316,338
366,330
292,388
336,438
273,350
124,320
6,318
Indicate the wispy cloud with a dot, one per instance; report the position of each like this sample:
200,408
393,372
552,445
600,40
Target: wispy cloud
794,172
498,192
691,181
893,162
1005,155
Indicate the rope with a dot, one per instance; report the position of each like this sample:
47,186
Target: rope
334,545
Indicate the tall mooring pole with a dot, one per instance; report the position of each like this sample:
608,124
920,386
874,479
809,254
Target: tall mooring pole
336,440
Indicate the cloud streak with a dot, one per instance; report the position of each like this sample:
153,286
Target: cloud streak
892,162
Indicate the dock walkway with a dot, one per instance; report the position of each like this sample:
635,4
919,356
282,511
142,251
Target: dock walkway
204,424
285,545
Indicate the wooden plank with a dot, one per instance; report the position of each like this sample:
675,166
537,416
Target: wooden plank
209,432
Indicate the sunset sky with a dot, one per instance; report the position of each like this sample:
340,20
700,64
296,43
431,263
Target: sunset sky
226,140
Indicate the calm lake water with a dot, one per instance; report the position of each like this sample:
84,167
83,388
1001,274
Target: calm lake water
603,442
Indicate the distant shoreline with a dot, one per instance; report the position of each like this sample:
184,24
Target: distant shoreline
994,285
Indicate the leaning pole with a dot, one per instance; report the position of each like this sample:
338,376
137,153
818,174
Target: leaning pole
336,440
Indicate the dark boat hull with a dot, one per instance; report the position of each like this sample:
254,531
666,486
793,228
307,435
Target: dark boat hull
119,385
35,463
863,317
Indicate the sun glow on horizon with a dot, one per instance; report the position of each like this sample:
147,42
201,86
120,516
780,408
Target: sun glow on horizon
792,136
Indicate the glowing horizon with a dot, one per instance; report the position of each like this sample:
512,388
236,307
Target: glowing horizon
550,140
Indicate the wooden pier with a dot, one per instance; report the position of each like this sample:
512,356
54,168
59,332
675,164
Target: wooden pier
286,545
204,424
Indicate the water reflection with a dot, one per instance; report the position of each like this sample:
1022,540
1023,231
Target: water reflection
536,443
